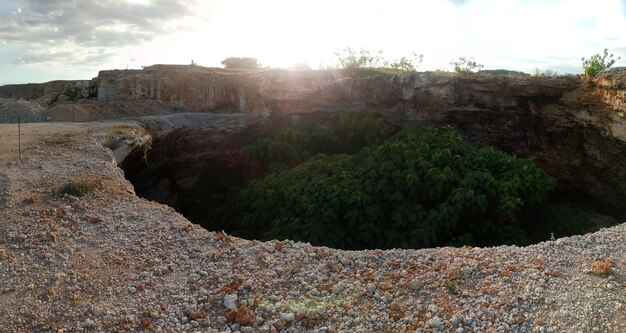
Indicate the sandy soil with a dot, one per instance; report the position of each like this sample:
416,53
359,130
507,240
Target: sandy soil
35,134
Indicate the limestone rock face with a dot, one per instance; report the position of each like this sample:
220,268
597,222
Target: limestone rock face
33,91
574,127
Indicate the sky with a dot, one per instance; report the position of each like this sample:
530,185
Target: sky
43,40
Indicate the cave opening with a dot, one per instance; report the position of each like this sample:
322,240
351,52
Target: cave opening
197,170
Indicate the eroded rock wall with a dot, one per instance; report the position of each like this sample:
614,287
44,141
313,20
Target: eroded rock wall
573,126
33,91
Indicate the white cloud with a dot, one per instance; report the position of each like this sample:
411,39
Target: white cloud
512,34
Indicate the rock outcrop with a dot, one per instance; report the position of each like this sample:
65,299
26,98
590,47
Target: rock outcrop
573,126
84,88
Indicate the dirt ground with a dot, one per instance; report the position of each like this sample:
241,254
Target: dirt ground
34,134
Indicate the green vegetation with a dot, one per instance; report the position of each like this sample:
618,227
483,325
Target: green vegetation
598,63
60,139
349,134
241,63
69,91
350,59
545,73
358,183
425,188
408,64
128,132
502,73
465,66
79,186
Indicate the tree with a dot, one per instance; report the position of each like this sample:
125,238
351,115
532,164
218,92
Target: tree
545,73
598,63
466,65
349,58
407,64
426,188
241,63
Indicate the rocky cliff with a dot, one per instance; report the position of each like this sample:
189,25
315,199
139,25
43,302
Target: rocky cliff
573,126
33,91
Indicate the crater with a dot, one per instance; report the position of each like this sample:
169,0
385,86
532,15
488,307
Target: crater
194,168
568,125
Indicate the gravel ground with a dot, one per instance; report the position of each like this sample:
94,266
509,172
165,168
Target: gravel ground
28,111
108,261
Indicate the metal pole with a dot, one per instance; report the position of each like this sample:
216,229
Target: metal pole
19,138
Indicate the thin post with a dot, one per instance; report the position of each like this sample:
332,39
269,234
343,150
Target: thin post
19,138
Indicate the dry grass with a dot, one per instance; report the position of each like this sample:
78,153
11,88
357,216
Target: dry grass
128,132
59,139
79,186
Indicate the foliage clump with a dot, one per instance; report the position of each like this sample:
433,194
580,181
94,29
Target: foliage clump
69,91
79,186
598,63
545,73
350,59
422,189
348,134
465,66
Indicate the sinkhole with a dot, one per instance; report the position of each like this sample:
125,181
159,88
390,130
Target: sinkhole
363,182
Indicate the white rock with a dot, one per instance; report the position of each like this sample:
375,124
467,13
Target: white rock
288,317
230,301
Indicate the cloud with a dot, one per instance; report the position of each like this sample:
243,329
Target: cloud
86,26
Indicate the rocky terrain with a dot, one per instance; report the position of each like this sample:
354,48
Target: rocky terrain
80,252
95,257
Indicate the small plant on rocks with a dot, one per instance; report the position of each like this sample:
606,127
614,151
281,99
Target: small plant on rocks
59,139
79,186
598,63
465,66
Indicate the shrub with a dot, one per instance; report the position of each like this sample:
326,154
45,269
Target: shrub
59,139
466,66
545,73
349,58
293,146
128,132
79,186
407,64
598,63
350,133
426,188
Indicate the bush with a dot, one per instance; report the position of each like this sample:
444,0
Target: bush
407,64
466,66
349,58
426,188
598,63
545,73
79,186
241,63
350,133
